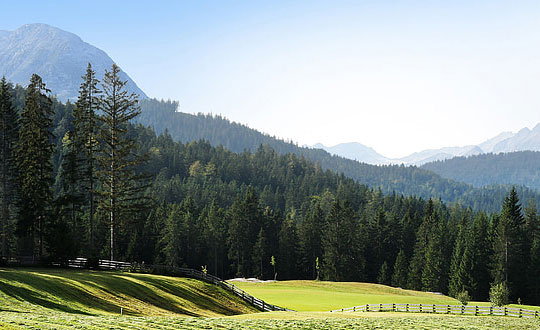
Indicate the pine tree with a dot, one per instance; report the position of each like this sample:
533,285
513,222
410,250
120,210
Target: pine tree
533,273
259,254
509,257
123,188
432,273
9,133
482,250
34,159
288,247
70,196
343,258
384,274
418,260
310,232
85,140
399,278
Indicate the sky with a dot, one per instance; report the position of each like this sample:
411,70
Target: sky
398,76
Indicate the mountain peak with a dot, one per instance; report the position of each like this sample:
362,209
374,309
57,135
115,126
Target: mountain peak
58,56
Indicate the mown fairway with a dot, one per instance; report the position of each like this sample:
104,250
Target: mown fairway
67,299
325,296
98,292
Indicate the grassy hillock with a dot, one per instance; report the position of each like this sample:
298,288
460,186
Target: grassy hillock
325,296
105,293
72,299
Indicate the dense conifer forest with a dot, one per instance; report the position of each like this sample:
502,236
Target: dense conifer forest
408,180
521,168
93,184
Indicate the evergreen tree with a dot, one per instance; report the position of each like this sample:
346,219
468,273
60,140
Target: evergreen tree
343,259
508,244
288,247
9,133
259,254
399,278
310,232
85,140
123,187
533,273
432,273
417,264
244,224
481,248
384,274
34,159
70,196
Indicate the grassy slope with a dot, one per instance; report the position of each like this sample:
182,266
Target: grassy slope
325,296
95,293
61,299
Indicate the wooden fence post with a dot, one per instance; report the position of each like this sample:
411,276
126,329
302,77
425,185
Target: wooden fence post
434,310
504,311
367,307
407,307
421,308
380,307
476,310
393,307
447,309
520,312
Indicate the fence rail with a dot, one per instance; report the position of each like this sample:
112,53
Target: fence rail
84,263
443,309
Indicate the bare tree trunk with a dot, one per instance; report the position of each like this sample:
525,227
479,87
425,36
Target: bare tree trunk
5,212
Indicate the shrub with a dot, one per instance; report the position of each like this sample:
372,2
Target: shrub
498,294
463,297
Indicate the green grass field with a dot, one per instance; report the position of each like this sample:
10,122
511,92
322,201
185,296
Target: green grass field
266,321
324,296
68,299
97,292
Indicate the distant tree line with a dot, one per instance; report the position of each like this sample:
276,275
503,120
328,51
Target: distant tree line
86,182
407,180
520,168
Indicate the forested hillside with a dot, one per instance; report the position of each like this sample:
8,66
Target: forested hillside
518,168
410,181
259,213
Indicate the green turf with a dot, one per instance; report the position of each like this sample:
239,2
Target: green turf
97,292
267,321
325,296
67,299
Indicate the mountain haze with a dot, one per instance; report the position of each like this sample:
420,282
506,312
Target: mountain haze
59,57
524,140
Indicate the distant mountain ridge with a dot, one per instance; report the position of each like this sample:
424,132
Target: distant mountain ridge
524,140
59,57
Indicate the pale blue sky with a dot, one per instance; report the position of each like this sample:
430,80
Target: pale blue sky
399,76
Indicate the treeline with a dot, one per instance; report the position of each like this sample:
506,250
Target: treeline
520,168
63,165
259,213
408,180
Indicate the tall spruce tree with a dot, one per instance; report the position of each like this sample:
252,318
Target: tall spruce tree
122,187
9,133
86,143
34,160
508,244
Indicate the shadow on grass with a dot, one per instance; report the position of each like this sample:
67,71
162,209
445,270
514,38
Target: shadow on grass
74,287
24,294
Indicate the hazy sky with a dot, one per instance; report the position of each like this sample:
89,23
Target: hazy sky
399,76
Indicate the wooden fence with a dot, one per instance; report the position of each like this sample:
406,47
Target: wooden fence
443,309
84,263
